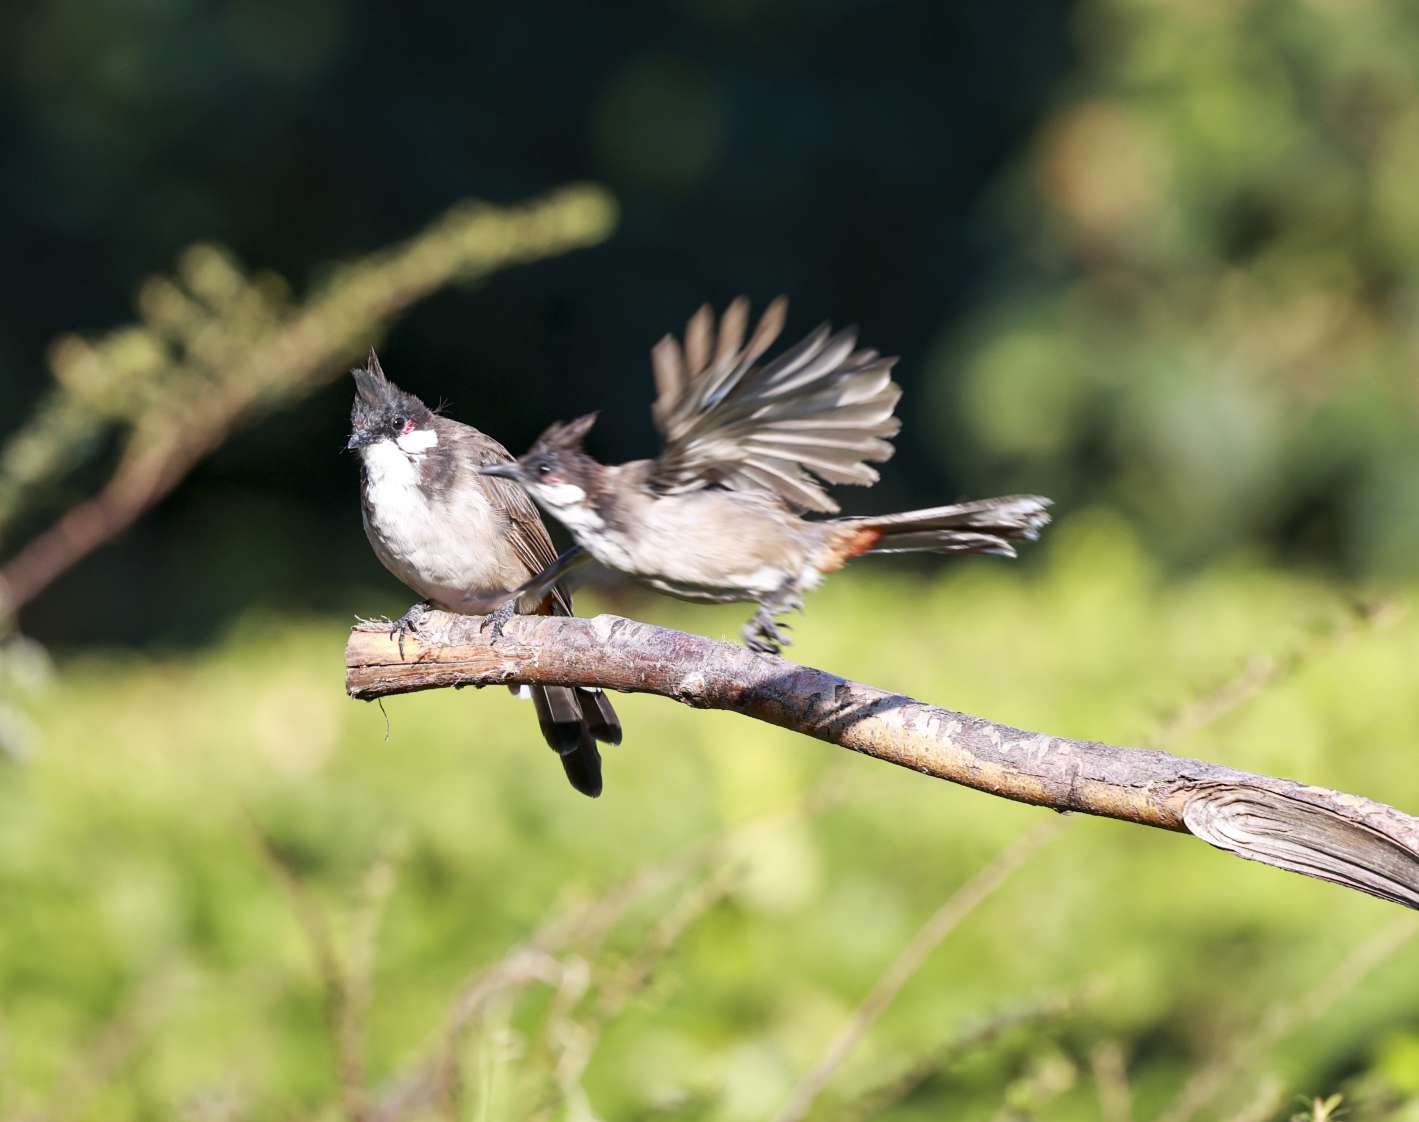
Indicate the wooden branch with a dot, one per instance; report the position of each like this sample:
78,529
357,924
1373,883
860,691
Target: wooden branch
1318,832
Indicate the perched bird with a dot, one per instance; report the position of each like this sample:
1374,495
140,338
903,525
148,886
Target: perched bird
718,515
462,540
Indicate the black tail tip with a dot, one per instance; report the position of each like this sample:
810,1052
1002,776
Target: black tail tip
583,768
601,720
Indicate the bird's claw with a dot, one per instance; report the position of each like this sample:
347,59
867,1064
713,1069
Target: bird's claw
496,620
765,635
407,624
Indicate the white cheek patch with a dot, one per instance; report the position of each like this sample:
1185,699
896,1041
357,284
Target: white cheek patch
580,520
420,440
562,494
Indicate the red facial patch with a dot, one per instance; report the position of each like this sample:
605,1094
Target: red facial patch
409,426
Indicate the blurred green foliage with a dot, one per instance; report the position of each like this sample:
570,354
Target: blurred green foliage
1214,321
154,961
1191,300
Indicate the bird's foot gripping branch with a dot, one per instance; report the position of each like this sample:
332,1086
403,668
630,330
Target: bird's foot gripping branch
1321,833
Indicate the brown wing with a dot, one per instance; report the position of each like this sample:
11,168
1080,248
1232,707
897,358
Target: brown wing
821,409
526,530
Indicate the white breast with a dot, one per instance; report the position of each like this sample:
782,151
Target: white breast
390,475
447,550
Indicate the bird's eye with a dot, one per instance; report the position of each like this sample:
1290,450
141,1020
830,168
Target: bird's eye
544,468
397,424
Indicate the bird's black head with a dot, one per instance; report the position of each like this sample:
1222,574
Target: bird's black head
382,411
555,470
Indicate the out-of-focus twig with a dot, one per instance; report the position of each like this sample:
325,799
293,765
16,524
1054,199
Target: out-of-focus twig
1047,1076
1109,1066
113,1048
1286,1017
577,1039
375,890
1266,1103
539,961
874,1102
1263,671
622,986
217,348
561,954
345,981
928,937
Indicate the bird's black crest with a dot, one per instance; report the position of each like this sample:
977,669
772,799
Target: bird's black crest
379,403
564,437
374,388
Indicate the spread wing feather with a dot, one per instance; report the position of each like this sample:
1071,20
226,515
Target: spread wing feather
818,413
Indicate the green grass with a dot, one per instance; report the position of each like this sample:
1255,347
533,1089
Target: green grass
153,963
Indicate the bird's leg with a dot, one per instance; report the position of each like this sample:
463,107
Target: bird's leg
496,620
408,624
533,590
765,633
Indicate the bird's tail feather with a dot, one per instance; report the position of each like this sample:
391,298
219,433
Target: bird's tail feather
979,526
600,718
583,768
570,734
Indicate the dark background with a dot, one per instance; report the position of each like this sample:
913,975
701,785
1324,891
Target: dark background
836,152
1155,258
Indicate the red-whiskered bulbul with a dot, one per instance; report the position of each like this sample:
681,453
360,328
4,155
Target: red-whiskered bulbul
462,540
718,515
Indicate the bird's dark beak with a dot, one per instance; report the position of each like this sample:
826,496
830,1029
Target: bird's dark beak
502,471
357,440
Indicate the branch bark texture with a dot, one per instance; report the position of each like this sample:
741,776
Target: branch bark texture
1315,831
